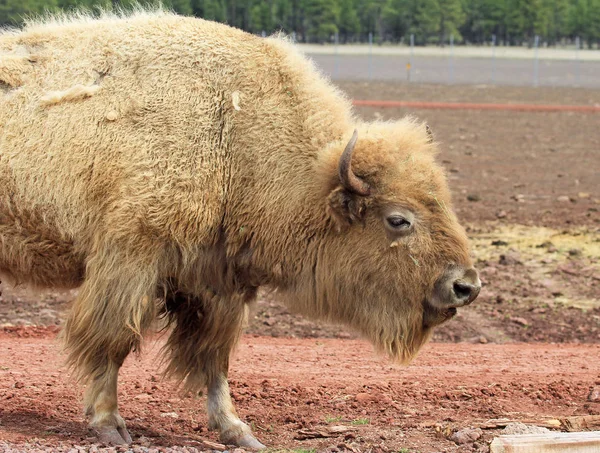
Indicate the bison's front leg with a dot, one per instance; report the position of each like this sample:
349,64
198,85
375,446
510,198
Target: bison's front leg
223,417
206,328
101,407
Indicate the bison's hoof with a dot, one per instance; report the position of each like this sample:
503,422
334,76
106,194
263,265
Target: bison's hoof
113,436
250,442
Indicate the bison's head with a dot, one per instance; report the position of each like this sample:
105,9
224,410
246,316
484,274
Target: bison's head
394,262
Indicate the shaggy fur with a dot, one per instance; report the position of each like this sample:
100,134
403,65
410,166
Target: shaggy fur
173,165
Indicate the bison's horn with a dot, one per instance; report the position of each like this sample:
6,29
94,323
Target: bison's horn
429,134
349,180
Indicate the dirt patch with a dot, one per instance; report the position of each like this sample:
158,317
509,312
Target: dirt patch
402,91
286,387
518,167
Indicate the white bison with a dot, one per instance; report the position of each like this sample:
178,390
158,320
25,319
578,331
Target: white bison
170,166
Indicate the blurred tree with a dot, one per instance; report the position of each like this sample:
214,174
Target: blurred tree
349,24
12,12
262,18
321,18
428,18
431,21
370,16
451,17
397,18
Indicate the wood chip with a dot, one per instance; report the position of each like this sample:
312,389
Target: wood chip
213,445
331,431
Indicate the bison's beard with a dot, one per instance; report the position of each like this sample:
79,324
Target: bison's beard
394,326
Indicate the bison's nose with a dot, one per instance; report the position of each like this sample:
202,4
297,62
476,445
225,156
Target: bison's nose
465,292
458,286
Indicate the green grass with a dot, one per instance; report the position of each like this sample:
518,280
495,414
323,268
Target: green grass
330,419
360,421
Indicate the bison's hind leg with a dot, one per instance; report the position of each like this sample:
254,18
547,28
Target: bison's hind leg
205,330
114,307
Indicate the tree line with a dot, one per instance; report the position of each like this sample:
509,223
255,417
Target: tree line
511,22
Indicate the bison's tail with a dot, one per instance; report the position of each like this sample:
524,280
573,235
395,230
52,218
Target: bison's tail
116,304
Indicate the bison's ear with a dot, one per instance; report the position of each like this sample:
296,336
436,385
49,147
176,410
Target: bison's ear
347,202
346,208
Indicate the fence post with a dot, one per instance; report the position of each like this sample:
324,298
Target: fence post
451,62
336,57
370,56
410,58
493,59
577,62
294,37
536,62
264,34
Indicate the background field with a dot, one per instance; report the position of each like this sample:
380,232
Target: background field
527,187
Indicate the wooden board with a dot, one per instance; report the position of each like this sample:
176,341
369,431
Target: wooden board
582,442
581,422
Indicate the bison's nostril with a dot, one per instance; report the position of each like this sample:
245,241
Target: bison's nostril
464,292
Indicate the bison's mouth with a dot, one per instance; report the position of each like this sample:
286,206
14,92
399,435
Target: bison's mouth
434,316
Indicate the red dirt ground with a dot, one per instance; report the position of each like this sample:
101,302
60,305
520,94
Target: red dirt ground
283,386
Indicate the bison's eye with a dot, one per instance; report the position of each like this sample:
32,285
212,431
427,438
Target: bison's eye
397,222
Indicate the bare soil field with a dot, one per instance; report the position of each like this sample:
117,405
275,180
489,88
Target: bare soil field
527,187
293,391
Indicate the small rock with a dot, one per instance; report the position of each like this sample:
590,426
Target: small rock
501,214
563,199
521,321
144,441
483,340
583,195
594,394
510,259
169,414
19,385
143,397
473,197
549,246
467,435
499,243
574,252
522,428
520,198
364,398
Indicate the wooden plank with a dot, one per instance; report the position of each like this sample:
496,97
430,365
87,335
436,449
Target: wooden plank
583,442
581,422
495,423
